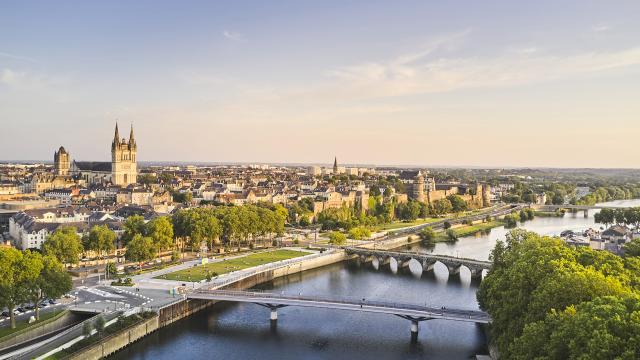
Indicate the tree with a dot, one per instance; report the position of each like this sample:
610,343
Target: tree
101,240
337,238
147,179
87,328
442,206
533,277
160,230
428,235
457,203
359,233
140,249
64,244
134,225
632,248
17,271
99,325
52,282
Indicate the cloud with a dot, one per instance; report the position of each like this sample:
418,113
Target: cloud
233,35
430,72
17,57
601,28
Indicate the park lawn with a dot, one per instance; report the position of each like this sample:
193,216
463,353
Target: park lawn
221,267
469,230
400,225
24,324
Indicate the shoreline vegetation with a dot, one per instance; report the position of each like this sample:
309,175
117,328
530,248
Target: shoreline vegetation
207,271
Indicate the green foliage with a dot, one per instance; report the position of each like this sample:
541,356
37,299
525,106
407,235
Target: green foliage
457,203
628,216
632,248
527,214
160,230
87,328
537,283
18,271
337,238
52,282
427,235
442,207
359,233
64,244
511,220
229,223
99,325
140,249
134,225
452,235
100,239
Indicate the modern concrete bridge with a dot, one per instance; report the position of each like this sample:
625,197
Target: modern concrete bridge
411,312
427,261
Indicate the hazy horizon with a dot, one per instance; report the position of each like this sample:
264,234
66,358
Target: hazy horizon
491,84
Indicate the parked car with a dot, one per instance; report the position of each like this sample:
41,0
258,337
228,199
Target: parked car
42,304
52,302
6,314
30,307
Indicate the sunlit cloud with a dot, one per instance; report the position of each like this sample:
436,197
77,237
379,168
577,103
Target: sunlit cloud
233,35
601,28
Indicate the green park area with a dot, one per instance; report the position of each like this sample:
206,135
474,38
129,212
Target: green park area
469,230
198,273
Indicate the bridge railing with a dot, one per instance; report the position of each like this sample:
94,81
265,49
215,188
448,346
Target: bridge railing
417,254
264,296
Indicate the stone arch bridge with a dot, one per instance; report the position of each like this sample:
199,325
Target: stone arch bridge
427,261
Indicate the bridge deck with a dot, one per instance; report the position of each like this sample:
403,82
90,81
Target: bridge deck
382,307
399,254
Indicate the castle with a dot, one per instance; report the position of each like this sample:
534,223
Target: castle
121,171
427,191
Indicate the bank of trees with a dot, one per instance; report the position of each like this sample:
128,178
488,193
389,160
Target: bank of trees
626,216
229,225
28,276
551,301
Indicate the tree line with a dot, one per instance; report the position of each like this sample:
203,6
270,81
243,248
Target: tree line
30,277
548,300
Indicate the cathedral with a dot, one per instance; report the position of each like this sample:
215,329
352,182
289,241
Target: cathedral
121,171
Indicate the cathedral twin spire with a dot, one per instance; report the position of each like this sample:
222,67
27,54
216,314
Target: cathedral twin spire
117,141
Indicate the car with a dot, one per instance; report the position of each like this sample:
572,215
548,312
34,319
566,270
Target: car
52,302
42,304
118,291
17,312
29,307
5,314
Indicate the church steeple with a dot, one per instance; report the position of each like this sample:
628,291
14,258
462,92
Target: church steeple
335,165
116,137
132,140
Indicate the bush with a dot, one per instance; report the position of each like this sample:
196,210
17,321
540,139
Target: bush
359,233
447,225
87,328
427,235
337,238
451,235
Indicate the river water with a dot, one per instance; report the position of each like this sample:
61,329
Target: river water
243,331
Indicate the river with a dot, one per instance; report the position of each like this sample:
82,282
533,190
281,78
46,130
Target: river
242,331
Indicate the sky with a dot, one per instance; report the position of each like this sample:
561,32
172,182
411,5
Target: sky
430,83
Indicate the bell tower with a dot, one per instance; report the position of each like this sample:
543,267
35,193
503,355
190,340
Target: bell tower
61,161
124,168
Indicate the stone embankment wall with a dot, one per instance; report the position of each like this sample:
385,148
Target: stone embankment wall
113,343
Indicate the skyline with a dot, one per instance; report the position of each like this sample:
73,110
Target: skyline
420,84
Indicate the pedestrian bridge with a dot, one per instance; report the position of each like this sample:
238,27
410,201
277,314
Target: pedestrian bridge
427,261
411,312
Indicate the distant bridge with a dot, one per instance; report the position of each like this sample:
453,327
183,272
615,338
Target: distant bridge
427,261
575,207
411,312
